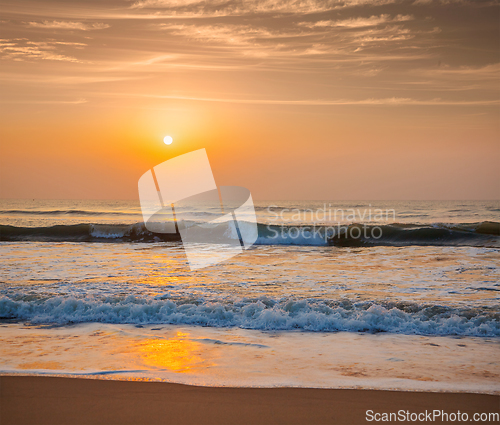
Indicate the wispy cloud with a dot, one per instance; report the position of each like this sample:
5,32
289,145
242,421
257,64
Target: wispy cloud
248,39
392,101
463,78
23,49
46,102
389,51
478,3
488,72
358,22
182,9
390,33
304,39
68,25
218,8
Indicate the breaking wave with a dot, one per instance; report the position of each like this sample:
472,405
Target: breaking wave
262,314
483,234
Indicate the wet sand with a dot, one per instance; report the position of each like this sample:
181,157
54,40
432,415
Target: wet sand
57,400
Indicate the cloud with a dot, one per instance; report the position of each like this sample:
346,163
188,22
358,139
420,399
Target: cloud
358,22
47,102
230,34
463,73
67,25
22,49
488,71
387,51
392,101
470,3
246,39
197,8
302,39
390,33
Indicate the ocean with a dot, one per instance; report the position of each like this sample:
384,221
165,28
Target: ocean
388,295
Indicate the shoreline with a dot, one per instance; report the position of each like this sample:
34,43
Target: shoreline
113,376
62,400
222,357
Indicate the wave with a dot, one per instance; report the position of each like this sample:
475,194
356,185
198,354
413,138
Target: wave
483,234
311,315
85,233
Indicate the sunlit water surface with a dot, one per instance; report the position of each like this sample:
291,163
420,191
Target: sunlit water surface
407,317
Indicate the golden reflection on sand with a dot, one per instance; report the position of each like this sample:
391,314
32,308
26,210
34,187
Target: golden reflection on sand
178,354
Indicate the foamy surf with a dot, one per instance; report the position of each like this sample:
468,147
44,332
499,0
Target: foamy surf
261,314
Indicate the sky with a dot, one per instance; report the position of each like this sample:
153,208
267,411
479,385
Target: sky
294,100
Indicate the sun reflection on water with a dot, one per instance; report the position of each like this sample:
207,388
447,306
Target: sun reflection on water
178,354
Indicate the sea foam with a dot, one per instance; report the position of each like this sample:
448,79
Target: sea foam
262,314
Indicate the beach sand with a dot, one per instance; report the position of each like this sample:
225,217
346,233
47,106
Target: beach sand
61,400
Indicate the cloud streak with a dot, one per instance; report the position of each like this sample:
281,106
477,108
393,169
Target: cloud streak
221,8
46,102
321,38
392,101
23,49
358,22
68,25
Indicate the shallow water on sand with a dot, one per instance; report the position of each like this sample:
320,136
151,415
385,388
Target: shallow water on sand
238,357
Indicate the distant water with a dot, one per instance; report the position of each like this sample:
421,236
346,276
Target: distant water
280,223
434,272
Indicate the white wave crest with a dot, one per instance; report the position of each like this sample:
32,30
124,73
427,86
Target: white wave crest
262,314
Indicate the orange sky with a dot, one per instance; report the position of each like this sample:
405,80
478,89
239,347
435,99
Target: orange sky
305,99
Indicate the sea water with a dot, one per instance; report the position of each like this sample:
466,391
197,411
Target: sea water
86,290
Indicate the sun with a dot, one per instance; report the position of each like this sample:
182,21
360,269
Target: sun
168,140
